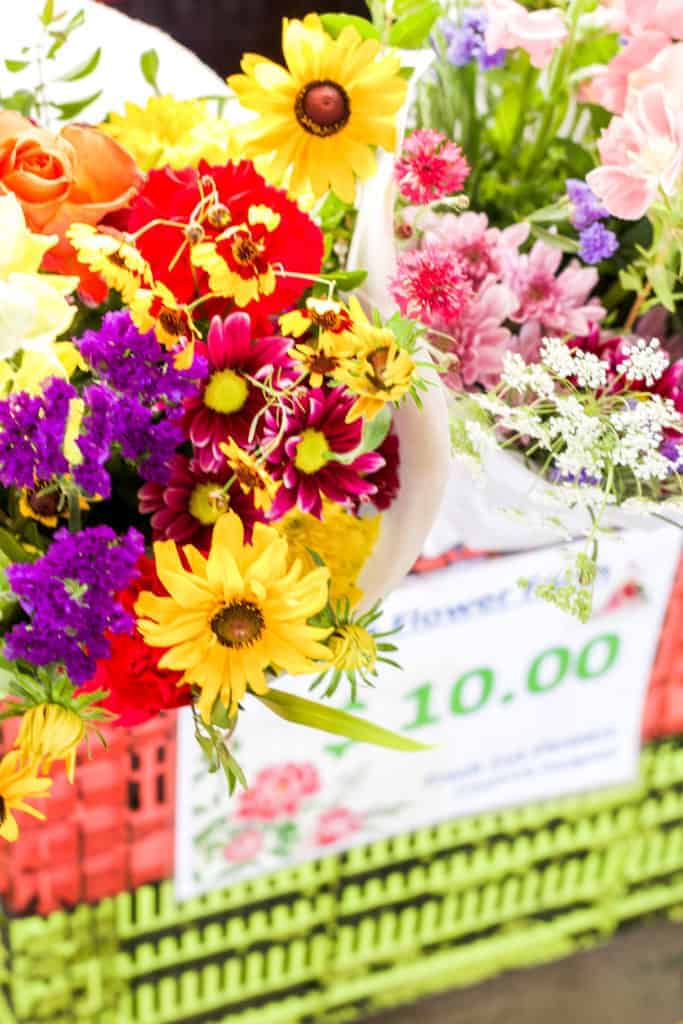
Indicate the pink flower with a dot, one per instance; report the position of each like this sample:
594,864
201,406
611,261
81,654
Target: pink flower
510,25
483,251
431,284
641,153
609,87
430,167
278,792
335,825
480,340
304,450
244,846
633,17
551,302
665,69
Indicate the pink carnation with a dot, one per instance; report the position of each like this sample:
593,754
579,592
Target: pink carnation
483,251
430,167
550,302
641,153
510,25
431,284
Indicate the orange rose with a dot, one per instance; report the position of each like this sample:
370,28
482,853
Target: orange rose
79,175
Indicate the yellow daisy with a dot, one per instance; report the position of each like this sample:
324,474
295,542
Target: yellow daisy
322,114
250,474
171,132
19,781
230,617
50,733
118,262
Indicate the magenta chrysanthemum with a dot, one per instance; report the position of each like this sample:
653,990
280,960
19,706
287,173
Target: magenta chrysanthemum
303,445
431,285
186,509
430,167
228,400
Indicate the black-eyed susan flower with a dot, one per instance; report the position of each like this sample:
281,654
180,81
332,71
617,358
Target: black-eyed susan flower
322,114
381,372
330,347
119,263
229,617
19,782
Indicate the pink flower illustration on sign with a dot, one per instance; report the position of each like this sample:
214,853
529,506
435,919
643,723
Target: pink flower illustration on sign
336,824
244,846
277,792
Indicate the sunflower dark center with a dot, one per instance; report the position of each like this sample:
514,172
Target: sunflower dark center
239,624
171,322
44,503
323,108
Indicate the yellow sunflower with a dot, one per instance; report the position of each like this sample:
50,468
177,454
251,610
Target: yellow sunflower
320,116
250,474
117,262
19,781
50,733
171,132
229,617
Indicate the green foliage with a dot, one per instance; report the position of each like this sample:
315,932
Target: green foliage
334,24
149,65
414,22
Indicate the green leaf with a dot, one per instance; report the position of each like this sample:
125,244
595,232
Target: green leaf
11,547
76,22
663,283
334,24
48,12
629,280
412,31
84,69
347,280
149,65
332,212
504,126
318,716
16,65
22,100
556,240
376,430
67,111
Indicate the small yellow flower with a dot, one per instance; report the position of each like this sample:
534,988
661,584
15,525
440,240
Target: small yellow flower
322,115
120,264
230,617
156,309
236,272
19,781
353,649
251,475
343,541
50,732
171,132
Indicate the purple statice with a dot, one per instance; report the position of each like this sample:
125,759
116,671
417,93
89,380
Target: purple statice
671,450
146,437
136,364
70,597
466,41
32,429
586,207
94,442
584,478
597,243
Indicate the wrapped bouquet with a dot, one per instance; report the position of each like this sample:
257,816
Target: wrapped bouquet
214,459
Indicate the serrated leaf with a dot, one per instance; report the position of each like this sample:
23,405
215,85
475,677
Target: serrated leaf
67,111
84,69
149,65
335,24
412,31
306,712
16,65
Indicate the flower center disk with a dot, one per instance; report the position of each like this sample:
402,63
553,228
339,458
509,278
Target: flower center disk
312,452
323,108
226,392
239,624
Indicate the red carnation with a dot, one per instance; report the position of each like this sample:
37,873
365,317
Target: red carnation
212,198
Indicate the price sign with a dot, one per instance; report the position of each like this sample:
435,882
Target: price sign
518,702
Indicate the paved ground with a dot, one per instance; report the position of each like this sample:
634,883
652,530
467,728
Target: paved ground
635,979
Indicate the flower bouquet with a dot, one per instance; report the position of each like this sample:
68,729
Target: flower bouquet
214,458
533,224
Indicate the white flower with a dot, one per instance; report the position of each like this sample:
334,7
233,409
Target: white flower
515,372
590,372
644,361
558,357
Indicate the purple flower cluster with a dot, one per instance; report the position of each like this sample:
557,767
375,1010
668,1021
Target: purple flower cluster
146,437
597,242
70,596
466,41
136,364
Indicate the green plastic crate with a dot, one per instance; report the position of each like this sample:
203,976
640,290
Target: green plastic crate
333,940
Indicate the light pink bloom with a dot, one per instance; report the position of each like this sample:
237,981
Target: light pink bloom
631,17
510,25
430,167
641,153
336,824
244,846
665,69
483,251
609,87
480,340
552,302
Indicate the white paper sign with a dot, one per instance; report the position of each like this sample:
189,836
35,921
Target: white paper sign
520,702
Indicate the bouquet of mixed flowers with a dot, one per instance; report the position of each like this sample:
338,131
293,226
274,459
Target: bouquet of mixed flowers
213,459
533,224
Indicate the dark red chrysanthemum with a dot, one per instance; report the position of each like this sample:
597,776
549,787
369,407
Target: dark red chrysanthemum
386,479
296,244
187,507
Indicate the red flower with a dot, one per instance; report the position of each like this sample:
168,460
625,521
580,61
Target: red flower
186,508
213,198
336,824
386,479
278,791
